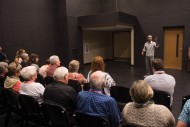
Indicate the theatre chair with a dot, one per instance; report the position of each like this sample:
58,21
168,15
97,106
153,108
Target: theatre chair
128,125
121,95
48,80
57,114
184,99
86,86
12,103
32,110
75,85
84,120
162,98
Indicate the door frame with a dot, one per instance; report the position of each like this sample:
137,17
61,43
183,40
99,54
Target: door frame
174,27
132,43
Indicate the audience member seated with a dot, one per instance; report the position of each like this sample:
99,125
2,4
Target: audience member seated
33,60
95,103
3,57
98,65
18,58
184,117
3,71
43,69
12,81
142,111
160,80
54,63
59,92
25,59
29,86
73,72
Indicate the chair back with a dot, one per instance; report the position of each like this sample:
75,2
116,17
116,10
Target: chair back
84,120
48,80
11,98
75,85
184,99
162,98
32,110
120,94
86,86
128,125
57,114
29,104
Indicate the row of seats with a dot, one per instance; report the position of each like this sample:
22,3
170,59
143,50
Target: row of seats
46,114
49,113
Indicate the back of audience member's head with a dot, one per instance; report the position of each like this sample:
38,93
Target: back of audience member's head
4,65
158,64
14,69
25,56
20,52
97,64
2,70
60,73
97,79
74,66
33,58
54,59
28,72
141,92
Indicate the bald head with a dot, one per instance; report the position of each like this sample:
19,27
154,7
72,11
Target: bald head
97,79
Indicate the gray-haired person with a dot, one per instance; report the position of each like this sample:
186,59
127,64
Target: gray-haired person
149,48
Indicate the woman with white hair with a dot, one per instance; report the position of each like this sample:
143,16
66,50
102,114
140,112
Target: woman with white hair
29,86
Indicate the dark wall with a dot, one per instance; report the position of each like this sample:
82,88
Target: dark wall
154,15
28,24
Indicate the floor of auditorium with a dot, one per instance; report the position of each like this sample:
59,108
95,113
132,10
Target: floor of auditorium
124,75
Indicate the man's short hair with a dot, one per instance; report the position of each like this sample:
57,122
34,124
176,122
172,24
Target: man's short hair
97,79
60,73
158,64
53,59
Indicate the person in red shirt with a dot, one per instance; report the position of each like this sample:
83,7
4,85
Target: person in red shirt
12,81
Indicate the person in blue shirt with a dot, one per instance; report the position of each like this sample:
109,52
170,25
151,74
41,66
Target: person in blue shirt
184,117
95,103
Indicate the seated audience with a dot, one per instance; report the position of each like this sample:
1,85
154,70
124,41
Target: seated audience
142,111
184,117
95,103
59,92
73,72
54,63
3,72
25,59
160,80
18,58
33,60
12,81
3,57
98,65
43,69
29,86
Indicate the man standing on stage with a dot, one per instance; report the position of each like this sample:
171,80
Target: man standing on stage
149,48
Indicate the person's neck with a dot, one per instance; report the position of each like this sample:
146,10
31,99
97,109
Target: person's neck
62,81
